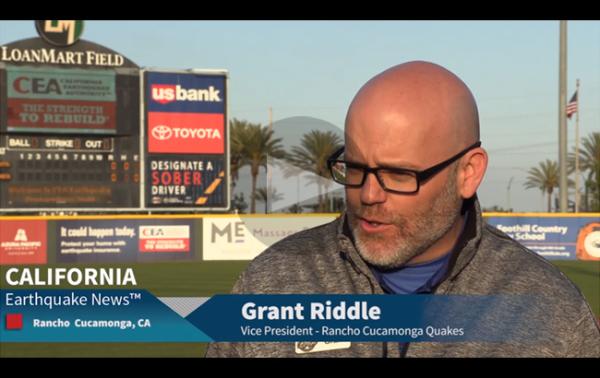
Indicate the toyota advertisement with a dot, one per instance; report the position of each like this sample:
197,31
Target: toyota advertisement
186,134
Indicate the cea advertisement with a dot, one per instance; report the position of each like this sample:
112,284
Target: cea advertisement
54,100
102,241
130,240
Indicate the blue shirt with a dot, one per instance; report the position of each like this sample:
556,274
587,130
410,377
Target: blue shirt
413,279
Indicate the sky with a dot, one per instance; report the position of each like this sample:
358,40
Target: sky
314,69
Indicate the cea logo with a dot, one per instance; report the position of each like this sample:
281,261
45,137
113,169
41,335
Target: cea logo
24,84
60,33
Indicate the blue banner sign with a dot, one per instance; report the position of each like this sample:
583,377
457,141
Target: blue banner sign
554,237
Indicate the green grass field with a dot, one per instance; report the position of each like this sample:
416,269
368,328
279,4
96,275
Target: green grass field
203,279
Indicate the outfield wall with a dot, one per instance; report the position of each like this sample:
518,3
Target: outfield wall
210,237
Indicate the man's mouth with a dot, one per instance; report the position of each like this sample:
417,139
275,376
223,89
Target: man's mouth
372,225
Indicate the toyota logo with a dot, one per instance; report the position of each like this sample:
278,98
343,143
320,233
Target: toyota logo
161,132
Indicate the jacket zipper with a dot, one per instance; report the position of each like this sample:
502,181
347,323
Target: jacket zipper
345,256
404,349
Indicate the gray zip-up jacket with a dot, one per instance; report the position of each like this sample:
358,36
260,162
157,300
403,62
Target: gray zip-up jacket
323,260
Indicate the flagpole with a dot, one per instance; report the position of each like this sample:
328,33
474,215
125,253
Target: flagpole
577,150
562,119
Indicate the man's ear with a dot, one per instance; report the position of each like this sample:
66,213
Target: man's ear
471,171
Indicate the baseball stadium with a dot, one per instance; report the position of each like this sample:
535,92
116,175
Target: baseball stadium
173,174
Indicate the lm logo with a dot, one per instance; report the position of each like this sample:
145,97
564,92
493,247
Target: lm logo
61,33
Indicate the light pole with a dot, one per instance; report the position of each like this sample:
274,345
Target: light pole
508,193
577,151
562,118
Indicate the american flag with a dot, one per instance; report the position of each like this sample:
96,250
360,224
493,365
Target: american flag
572,106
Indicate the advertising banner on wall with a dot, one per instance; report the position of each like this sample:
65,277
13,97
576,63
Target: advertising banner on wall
244,238
187,140
23,242
56,100
127,240
179,180
564,238
185,133
164,238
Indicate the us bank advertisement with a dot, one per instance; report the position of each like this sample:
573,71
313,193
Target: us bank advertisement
187,164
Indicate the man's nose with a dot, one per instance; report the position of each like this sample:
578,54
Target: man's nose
371,192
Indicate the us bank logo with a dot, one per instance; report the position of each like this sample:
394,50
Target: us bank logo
60,33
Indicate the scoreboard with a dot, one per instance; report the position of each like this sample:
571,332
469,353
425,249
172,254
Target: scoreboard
83,128
118,139
73,171
69,138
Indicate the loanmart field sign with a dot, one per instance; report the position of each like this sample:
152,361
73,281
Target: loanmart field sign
186,132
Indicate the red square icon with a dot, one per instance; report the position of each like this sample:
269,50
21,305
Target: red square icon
14,321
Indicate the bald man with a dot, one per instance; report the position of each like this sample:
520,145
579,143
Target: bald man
411,166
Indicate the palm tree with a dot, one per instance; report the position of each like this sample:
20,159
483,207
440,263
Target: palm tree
295,209
238,139
545,177
290,170
259,145
315,147
266,196
590,198
238,203
589,161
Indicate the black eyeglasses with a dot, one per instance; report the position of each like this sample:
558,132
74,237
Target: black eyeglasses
394,180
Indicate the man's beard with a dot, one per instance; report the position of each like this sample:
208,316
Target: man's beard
412,235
